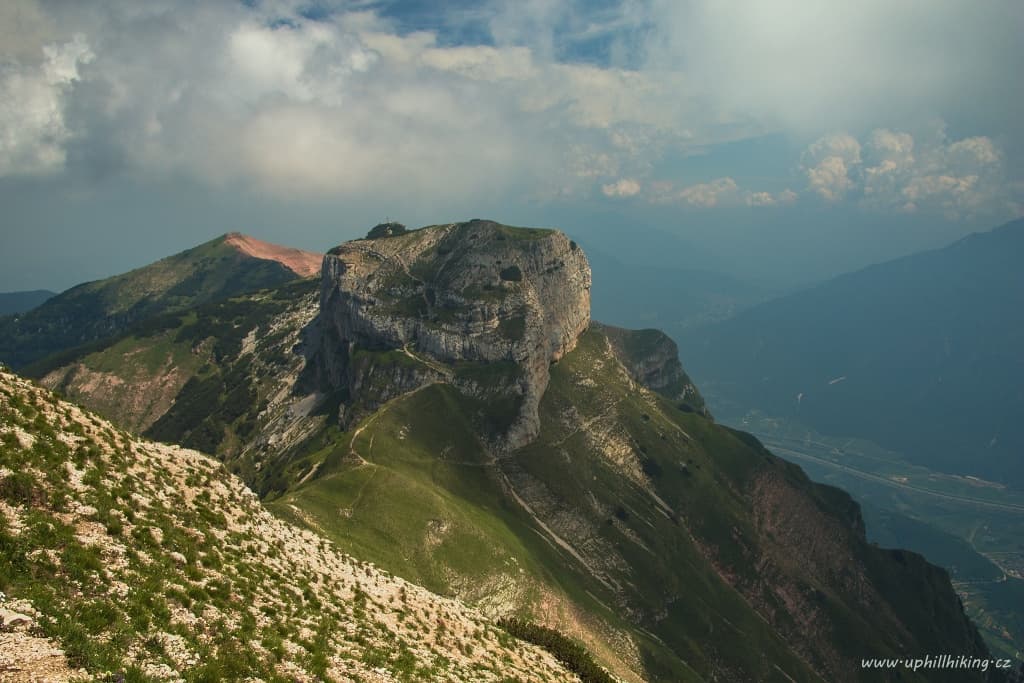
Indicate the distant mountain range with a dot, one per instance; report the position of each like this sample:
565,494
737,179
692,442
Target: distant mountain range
923,355
229,265
19,302
439,403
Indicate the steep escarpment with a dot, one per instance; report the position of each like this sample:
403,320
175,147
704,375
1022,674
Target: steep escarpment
475,292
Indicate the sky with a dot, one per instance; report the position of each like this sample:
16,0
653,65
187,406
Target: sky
779,141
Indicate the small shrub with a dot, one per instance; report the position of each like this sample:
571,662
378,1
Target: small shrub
570,653
21,488
511,274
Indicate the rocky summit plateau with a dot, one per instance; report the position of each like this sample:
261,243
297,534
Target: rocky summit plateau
433,415
475,292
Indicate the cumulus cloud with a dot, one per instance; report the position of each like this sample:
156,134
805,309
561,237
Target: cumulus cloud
893,171
707,195
718,193
787,196
259,94
341,105
828,163
624,187
33,129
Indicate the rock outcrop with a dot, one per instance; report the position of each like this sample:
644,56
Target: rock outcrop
451,294
652,360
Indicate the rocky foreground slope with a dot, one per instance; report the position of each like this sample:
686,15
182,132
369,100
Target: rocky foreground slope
122,559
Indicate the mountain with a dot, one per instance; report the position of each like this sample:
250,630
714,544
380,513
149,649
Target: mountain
19,302
228,265
151,562
923,355
441,404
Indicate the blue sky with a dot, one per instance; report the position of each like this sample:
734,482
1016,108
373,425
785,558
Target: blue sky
783,141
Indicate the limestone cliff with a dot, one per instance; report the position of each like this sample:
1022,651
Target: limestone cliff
465,292
652,360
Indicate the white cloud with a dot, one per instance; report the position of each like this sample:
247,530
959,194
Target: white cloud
624,187
827,163
262,96
347,105
481,62
708,195
718,193
787,196
33,129
893,171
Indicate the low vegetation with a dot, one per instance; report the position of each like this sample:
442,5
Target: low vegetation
142,562
568,651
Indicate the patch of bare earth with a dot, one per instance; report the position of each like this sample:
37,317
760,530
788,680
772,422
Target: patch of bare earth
25,657
302,263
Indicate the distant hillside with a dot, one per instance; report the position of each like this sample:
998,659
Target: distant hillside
19,302
229,265
670,299
924,355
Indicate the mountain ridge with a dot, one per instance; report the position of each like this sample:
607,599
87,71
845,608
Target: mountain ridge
674,548
225,266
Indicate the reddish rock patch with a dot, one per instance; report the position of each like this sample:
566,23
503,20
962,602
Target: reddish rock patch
302,263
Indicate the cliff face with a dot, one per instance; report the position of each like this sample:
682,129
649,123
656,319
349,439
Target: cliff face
652,359
467,292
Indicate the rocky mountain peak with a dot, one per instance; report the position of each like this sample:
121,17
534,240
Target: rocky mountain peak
464,292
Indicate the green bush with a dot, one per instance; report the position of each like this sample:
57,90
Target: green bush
390,229
512,274
570,653
20,488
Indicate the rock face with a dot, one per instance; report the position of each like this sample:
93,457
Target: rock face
652,360
466,292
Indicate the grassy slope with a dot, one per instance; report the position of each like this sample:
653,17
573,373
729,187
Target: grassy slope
150,562
418,492
182,377
699,617
444,521
102,309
